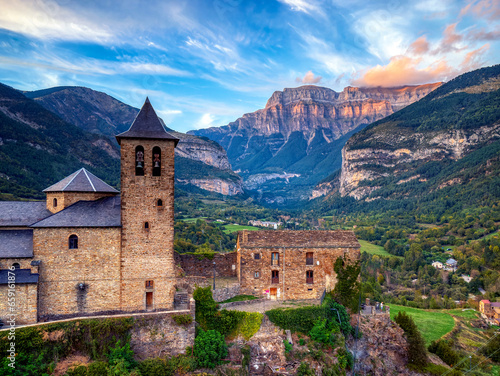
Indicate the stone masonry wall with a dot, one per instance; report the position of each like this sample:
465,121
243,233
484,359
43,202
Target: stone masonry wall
220,295
77,281
25,304
192,265
292,268
65,199
147,253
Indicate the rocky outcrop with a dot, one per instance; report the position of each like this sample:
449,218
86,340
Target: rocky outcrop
224,187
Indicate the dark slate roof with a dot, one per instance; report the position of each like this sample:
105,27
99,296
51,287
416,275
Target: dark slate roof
22,213
16,243
147,125
298,239
81,181
104,212
22,276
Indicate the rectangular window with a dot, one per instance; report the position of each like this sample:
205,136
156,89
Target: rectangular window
256,256
275,258
309,258
256,274
309,277
275,278
149,284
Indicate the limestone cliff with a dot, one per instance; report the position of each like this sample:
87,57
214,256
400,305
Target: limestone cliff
301,132
456,125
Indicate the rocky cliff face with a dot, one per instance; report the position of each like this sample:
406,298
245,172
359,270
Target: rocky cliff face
302,130
419,144
100,113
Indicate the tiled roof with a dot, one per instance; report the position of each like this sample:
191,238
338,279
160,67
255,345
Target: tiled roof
298,239
81,181
104,212
22,276
147,125
22,213
451,261
16,243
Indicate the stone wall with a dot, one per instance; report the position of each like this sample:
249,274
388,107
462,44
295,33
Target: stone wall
147,251
25,304
78,281
220,295
255,274
193,265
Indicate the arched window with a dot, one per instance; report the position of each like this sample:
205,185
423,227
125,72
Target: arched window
159,202
16,265
146,225
139,161
73,242
54,203
156,161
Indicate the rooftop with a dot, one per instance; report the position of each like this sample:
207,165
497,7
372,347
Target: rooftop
104,212
81,181
298,239
22,213
16,243
147,125
22,276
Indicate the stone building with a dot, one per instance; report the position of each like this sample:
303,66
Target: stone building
291,265
90,249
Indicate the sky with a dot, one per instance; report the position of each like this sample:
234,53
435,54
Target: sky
206,63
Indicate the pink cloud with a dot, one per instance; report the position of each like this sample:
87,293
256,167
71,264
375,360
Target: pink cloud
309,78
404,70
483,9
419,47
473,59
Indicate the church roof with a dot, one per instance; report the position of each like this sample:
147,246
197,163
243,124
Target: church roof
147,125
22,276
22,213
298,239
81,181
16,243
104,212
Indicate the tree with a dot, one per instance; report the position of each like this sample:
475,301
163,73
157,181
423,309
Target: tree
417,355
209,348
346,289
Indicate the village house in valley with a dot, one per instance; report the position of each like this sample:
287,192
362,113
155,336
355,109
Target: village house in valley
90,249
292,265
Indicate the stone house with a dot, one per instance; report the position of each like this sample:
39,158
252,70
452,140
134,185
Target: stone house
291,265
90,249
437,265
452,264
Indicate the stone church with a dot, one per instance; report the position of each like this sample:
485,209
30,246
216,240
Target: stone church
90,249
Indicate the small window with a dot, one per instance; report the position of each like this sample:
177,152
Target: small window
156,161
275,276
149,284
54,203
275,258
256,256
256,275
309,258
159,202
73,242
139,161
16,265
146,225
309,277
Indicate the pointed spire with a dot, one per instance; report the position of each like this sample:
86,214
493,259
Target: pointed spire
147,125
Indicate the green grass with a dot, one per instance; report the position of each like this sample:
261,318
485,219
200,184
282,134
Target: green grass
432,324
232,228
239,298
189,220
374,249
468,314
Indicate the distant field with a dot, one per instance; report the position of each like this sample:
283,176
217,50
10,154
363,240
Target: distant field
466,314
232,228
432,324
373,249
188,220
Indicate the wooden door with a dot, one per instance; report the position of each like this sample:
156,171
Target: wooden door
274,293
149,300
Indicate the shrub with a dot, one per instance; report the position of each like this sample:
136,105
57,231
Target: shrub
121,357
209,348
345,358
185,319
288,346
97,369
305,370
444,350
324,331
154,367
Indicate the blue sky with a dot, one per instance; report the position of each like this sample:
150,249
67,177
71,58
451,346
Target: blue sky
206,63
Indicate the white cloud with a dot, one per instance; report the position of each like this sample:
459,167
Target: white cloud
205,121
305,6
48,20
309,78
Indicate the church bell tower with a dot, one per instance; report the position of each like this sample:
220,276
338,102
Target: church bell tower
147,214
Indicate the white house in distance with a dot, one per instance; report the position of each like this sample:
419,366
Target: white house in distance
437,265
452,264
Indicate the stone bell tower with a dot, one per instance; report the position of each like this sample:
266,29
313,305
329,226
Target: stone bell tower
147,214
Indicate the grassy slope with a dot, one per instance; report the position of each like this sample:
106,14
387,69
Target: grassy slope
232,228
432,324
373,249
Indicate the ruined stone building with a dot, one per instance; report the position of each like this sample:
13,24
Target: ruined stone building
292,265
89,248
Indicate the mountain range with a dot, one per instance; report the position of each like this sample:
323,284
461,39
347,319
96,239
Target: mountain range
283,150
